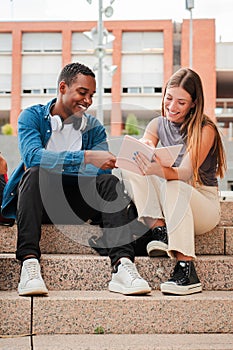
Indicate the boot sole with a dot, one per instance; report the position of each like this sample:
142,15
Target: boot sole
113,287
156,249
180,290
25,292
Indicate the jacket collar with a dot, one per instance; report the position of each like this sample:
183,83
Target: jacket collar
48,107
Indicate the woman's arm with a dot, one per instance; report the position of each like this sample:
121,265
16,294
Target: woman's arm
184,171
207,141
150,136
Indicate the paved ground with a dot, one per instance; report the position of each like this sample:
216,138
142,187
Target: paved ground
121,342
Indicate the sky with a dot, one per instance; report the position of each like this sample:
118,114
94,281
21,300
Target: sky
81,10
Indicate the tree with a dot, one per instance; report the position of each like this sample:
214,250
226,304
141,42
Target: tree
7,129
131,125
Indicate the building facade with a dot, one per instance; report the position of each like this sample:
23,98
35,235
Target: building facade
146,53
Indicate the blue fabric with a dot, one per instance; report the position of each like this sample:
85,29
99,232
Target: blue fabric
34,131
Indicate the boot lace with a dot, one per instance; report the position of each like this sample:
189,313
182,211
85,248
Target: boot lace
160,234
32,270
132,271
180,273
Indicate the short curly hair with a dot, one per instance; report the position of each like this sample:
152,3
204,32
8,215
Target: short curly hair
70,71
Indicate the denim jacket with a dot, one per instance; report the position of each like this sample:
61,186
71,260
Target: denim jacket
34,131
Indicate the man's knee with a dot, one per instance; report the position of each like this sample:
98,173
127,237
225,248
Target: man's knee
108,183
30,178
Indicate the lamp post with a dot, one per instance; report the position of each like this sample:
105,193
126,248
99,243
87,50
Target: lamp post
100,64
190,6
102,35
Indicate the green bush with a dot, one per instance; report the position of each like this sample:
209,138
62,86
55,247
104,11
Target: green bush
7,129
131,125
99,330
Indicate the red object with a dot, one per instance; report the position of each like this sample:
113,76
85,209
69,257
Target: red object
5,177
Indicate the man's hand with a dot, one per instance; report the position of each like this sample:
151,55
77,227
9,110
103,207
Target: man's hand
100,159
3,165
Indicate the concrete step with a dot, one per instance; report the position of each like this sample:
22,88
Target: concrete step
90,312
70,239
226,212
121,342
89,272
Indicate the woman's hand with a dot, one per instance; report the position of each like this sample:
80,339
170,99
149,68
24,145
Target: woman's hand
147,142
183,172
148,167
101,159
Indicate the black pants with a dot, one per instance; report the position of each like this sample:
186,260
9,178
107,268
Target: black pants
45,197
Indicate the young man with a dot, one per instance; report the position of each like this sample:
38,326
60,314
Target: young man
65,177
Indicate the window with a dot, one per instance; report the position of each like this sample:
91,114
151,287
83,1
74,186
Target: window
142,41
42,42
40,74
141,70
5,42
5,63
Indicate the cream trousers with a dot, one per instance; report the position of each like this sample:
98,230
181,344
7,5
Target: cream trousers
187,211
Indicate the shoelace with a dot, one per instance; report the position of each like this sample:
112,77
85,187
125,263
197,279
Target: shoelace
131,269
32,270
161,234
180,273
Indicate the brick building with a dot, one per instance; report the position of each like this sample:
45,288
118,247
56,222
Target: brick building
146,53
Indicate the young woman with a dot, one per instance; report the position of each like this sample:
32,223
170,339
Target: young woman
181,201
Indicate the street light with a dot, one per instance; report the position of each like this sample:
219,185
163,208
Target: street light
190,6
93,35
103,38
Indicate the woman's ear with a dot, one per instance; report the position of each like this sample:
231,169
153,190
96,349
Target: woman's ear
194,103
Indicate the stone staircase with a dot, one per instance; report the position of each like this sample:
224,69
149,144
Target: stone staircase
79,305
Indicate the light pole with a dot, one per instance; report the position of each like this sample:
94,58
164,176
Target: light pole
102,35
101,53
190,6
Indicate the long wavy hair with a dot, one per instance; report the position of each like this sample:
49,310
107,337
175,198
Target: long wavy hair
194,121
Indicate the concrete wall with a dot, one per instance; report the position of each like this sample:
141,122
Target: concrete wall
9,149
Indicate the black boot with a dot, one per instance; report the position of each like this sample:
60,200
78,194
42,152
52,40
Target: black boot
158,245
183,281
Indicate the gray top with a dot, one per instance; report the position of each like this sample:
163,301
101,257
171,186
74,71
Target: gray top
169,134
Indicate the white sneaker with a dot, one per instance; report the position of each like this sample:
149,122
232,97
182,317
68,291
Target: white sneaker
31,282
126,279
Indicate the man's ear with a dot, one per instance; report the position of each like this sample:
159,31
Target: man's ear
62,87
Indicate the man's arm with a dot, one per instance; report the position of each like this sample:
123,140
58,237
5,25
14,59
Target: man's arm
31,131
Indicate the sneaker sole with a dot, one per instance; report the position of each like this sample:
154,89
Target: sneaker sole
24,292
156,248
113,287
168,288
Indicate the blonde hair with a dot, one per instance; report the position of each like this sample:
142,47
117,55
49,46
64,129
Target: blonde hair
194,121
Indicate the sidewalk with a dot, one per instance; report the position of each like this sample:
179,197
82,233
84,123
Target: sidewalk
122,342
